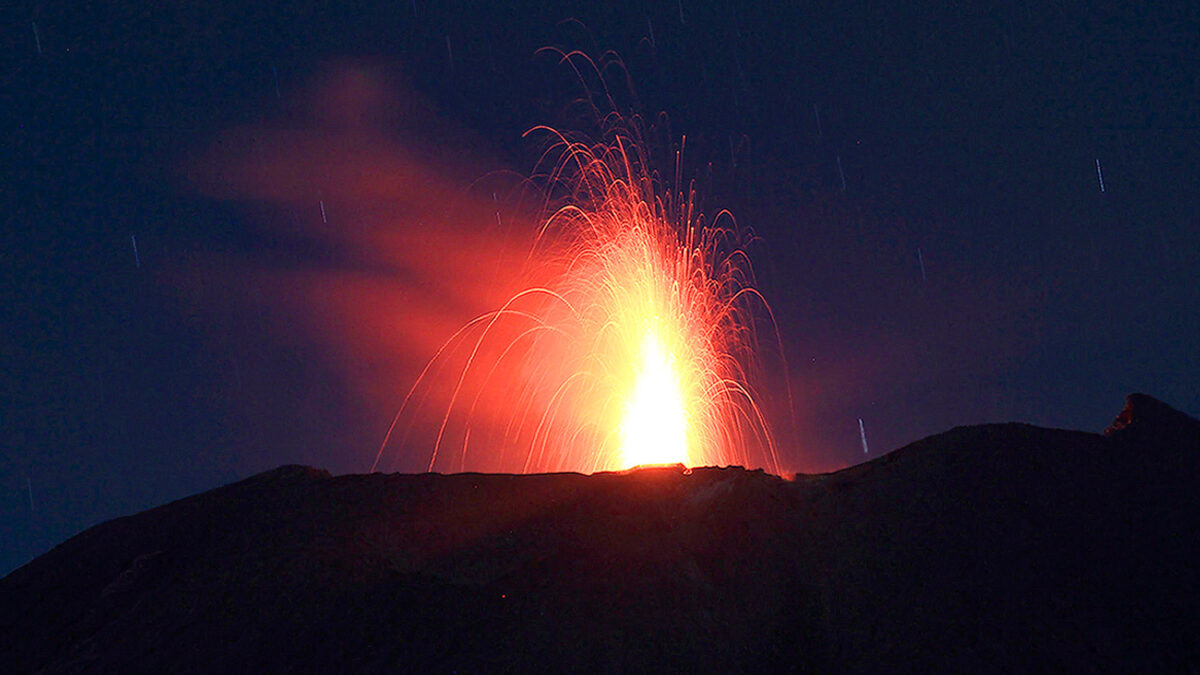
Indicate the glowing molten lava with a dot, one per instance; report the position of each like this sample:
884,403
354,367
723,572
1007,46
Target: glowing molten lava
635,341
655,429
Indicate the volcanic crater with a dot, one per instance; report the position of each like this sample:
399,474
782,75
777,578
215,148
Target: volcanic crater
997,547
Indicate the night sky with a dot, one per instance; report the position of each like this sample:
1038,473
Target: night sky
967,215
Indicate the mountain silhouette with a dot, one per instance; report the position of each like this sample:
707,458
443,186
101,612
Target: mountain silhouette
999,547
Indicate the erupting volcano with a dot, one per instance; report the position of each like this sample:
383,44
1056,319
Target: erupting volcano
634,341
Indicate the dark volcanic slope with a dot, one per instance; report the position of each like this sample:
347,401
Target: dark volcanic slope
997,547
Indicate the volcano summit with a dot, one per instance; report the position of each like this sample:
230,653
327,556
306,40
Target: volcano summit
997,547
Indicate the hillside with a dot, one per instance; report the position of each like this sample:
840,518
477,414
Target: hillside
996,547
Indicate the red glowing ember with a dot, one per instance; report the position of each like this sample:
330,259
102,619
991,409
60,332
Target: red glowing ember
633,343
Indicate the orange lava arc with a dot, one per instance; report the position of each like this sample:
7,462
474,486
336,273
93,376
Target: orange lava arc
634,341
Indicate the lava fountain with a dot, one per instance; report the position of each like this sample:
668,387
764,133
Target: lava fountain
634,341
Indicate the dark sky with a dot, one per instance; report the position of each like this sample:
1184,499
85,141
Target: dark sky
970,270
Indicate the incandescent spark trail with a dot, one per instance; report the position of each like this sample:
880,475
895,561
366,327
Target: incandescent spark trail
634,342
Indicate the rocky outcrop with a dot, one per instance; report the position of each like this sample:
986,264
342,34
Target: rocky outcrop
1146,419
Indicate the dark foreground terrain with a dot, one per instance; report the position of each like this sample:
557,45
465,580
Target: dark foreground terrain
988,548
